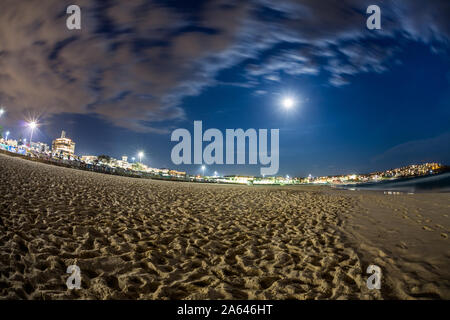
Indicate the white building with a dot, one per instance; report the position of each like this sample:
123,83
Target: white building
63,146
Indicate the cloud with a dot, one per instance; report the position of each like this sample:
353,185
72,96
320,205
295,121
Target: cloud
134,61
288,61
335,34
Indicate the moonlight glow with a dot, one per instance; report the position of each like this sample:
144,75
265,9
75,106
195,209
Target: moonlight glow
288,102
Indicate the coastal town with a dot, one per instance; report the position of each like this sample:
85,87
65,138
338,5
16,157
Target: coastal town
62,152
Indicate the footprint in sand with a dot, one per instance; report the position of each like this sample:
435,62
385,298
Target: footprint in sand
444,235
427,228
402,245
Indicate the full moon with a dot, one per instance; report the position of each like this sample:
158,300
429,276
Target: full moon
288,102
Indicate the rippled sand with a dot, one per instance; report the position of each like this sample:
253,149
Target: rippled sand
146,239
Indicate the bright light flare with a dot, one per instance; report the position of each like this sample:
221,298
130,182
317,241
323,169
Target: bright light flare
288,102
32,125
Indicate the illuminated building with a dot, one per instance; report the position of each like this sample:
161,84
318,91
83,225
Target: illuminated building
176,173
89,159
40,147
63,146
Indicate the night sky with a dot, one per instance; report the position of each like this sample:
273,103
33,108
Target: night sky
366,99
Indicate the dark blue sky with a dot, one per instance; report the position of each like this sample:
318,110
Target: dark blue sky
367,100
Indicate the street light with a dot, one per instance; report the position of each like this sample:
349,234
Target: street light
133,159
32,125
203,169
2,112
7,134
140,155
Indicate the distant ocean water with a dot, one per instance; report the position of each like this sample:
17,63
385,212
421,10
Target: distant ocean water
434,183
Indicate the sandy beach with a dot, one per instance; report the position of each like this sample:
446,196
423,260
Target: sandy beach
147,239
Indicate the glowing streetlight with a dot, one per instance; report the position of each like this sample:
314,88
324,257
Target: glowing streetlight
32,125
140,155
7,134
133,159
215,173
203,169
2,112
288,102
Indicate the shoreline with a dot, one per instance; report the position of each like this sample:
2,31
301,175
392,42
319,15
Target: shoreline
142,175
